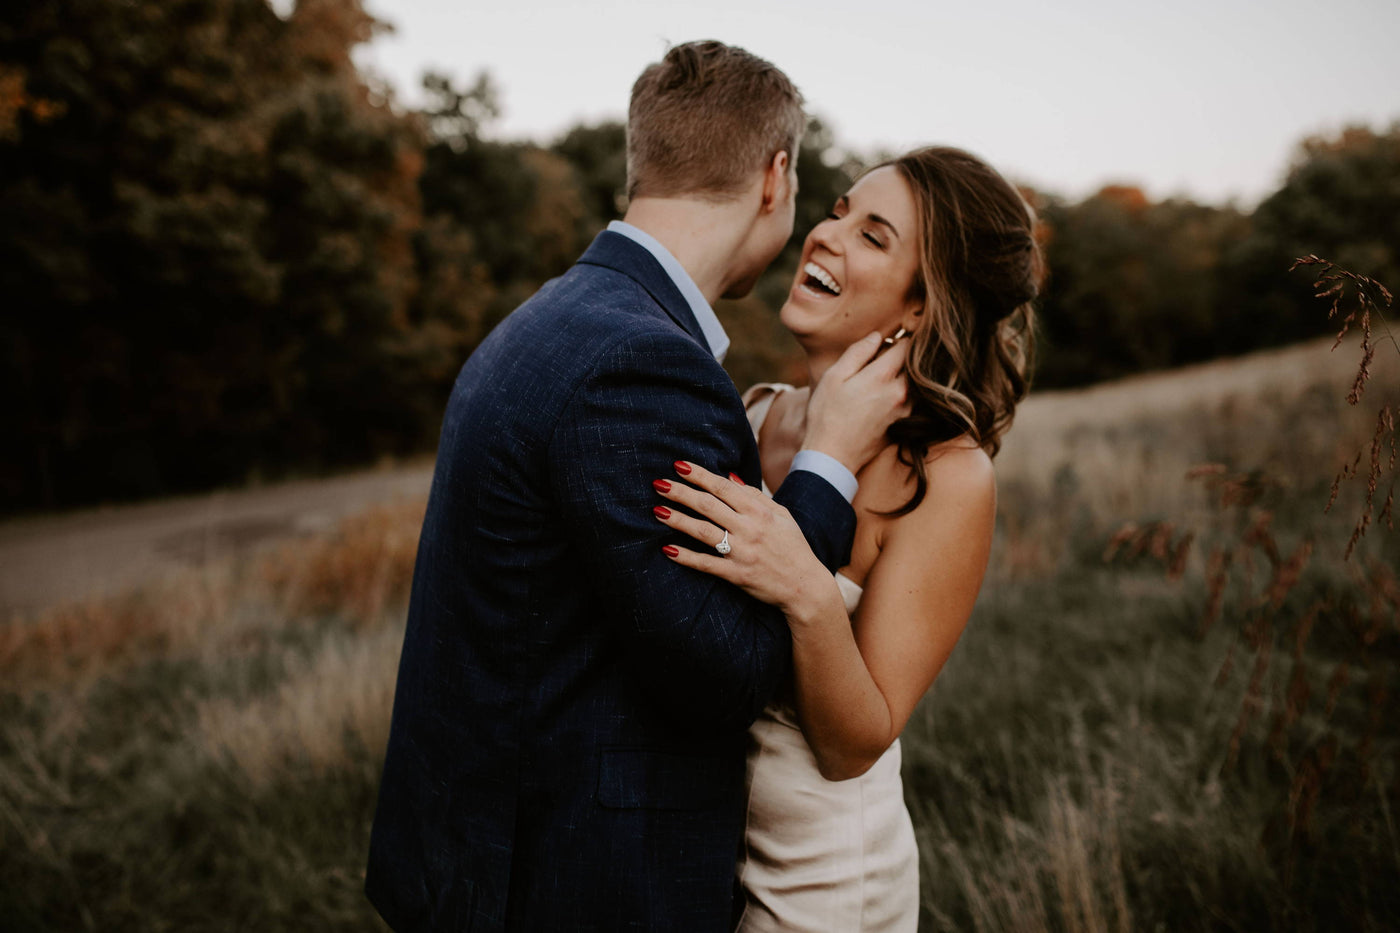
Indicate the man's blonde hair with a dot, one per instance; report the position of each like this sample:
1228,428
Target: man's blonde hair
705,118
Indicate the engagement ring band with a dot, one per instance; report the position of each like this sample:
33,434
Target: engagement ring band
723,547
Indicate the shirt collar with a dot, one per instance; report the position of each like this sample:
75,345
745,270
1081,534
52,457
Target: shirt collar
710,326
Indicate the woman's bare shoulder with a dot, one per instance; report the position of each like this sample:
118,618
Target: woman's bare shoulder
961,466
960,476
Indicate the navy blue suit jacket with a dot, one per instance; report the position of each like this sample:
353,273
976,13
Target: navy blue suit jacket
568,738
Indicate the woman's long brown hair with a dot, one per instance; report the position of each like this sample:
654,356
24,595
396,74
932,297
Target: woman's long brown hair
980,269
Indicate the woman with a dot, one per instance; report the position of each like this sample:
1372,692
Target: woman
936,247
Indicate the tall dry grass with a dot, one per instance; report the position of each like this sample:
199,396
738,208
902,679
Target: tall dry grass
358,573
201,753
1197,734
330,708
86,638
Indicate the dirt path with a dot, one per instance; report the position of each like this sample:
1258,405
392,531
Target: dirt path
46,560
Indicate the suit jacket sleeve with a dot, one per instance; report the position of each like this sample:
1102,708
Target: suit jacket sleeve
701,646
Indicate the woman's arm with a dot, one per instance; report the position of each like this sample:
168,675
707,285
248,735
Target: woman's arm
856,686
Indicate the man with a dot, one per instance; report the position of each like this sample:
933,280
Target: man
568,740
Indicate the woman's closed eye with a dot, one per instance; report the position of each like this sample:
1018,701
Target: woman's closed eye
879,244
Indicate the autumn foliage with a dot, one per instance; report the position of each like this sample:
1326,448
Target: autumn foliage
228,256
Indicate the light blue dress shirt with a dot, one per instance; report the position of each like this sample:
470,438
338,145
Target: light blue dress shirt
824,465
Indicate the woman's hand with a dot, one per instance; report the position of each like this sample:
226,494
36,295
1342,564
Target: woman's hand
768,556
856,400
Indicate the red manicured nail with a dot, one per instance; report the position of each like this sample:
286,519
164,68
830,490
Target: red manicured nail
671,551
735,478
682,468
661,485
662,512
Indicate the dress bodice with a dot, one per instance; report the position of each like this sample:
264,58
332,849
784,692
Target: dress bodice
822,855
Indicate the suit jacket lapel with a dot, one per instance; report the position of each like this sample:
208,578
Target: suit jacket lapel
617,252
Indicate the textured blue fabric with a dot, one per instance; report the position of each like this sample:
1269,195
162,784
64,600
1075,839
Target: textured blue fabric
568,737
710,327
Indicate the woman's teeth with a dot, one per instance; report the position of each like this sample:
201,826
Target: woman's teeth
822,277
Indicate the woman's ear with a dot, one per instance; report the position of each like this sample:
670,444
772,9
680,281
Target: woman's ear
913,312
915,302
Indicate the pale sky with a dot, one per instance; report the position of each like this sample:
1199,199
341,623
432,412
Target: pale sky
1205,99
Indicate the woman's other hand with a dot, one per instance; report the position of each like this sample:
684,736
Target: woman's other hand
857,399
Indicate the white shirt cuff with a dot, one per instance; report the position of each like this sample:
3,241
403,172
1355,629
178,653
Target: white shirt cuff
829,469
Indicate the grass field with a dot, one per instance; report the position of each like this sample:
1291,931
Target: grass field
1106,754
1105,751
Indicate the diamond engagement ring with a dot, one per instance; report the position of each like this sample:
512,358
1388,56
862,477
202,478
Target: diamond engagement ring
724,547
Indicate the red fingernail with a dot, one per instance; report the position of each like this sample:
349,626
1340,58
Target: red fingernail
661,485
682,468
662,512
735,478
671,551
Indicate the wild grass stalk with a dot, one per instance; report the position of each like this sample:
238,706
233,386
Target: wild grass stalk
1369,300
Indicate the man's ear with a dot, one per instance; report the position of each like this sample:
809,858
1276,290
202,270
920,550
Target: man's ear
779,184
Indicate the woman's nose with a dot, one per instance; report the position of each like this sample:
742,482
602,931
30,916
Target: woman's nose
827,235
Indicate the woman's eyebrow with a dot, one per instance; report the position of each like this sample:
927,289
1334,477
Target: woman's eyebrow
880,220
845,202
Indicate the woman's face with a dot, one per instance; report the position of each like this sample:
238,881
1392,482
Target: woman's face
857,267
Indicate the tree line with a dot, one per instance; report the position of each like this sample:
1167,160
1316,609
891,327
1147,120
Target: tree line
227,255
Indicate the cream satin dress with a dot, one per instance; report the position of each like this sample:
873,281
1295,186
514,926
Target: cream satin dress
822,856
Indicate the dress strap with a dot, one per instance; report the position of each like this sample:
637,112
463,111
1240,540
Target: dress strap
759,399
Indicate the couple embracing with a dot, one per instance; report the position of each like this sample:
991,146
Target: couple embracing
638,691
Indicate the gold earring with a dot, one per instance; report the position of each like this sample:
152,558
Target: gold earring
898,335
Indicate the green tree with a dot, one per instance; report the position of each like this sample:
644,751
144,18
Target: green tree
598,154
1133,285
520,206
1340,201
206,250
